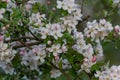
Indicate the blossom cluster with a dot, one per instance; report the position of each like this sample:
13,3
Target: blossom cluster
98,30
37,19
53,46
6,56
33,58
51,30
70,5
112,73
87,51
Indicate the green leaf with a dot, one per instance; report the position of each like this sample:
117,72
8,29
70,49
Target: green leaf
16,61
69,38
60,64
70,58
96,66
45,68
3,4
72,72
84,76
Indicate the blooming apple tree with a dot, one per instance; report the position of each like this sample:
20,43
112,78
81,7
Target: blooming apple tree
42,42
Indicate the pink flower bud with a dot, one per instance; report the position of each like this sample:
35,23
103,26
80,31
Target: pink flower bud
85,60
3,28
94,59
88,35
1,37
64,49
7,0
117,28
48,2
35,50
7,26
57,57
22,52
53,9
47,49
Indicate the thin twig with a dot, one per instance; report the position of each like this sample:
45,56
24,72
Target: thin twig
82,5
66,75
33,35
16,39
28,44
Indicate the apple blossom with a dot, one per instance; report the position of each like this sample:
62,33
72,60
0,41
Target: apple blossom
53,47
111,74
55,73
56,49
98,30
2,11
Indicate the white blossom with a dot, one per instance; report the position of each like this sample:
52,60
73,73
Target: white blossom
98,30
116,1
54,30
35,57
55,73
77,14
2,11
111,73
55,49
66,64
70,5
37,18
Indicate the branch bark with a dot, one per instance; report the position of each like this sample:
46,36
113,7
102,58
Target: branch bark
16,39
28,44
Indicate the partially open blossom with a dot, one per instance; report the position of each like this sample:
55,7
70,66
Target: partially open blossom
55,73
117,29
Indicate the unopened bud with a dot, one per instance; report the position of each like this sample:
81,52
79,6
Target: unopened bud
57,57
117,28
1,37
48,2
54,9
49,42
94,58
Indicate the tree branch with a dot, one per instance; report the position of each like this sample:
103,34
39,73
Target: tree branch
16,39
66,75
33,35
25,44
28,44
